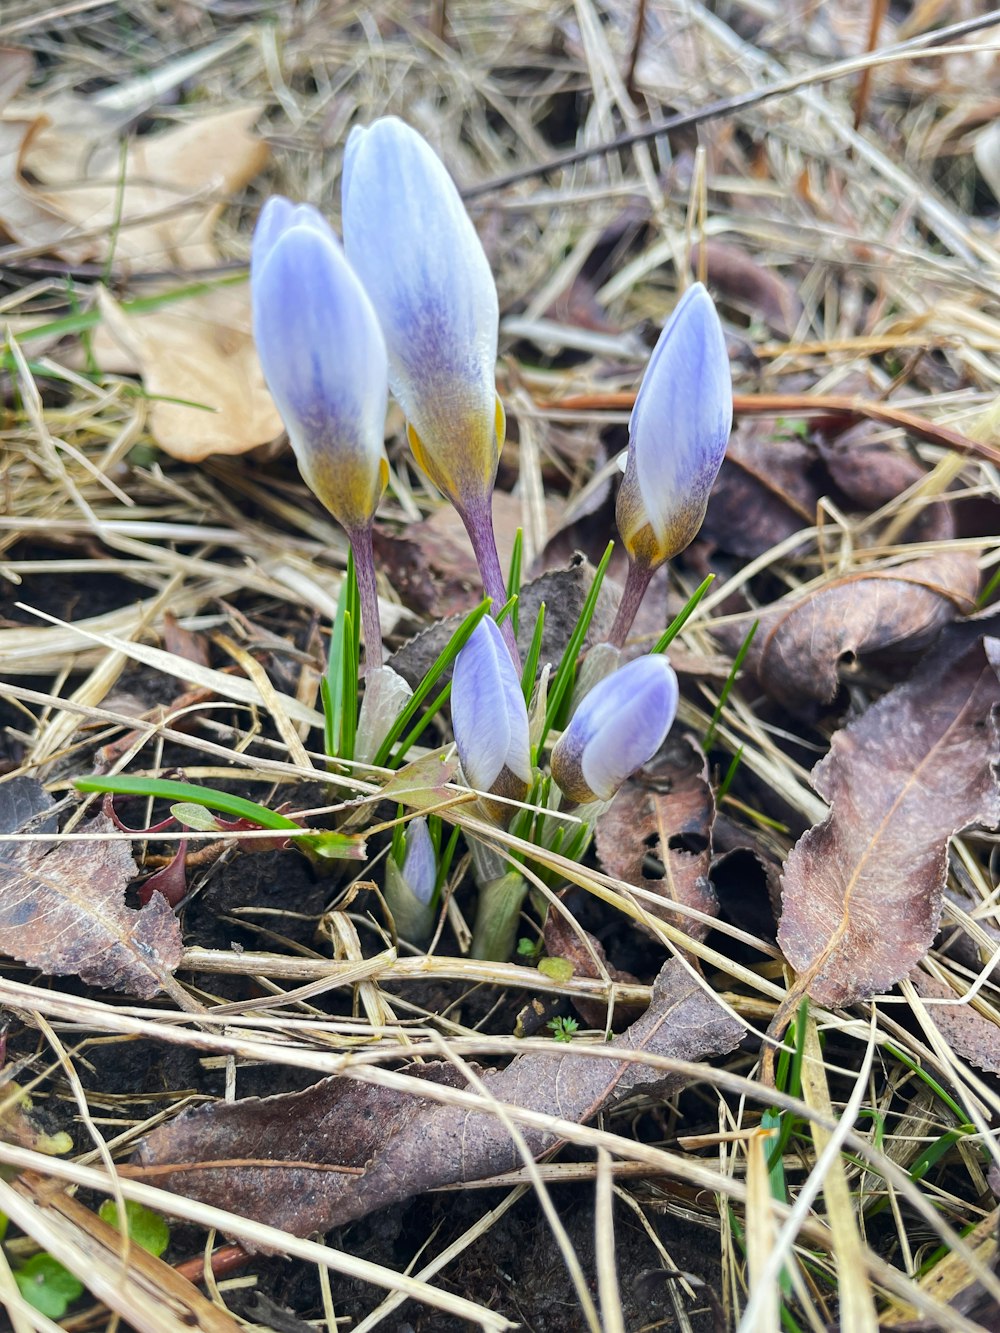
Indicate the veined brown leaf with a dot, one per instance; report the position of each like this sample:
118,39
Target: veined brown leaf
312,1160
62,906
862,891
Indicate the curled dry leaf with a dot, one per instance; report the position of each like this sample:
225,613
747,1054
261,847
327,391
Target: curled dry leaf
862,891
657,834
313,1160
805,646
62,906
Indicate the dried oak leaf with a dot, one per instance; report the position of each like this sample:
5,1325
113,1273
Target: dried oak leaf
862,891
805,646
62,908
313,1160
663,817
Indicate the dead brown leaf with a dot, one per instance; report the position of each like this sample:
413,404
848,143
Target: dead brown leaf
663,817
586,954
62,909
766,491
750,285
967,1032
197,357
313,1160
862,891
563,591
806,646
870,474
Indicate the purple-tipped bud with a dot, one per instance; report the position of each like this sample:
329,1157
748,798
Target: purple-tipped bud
677,435
616,729
489,716
410,240
323,357
409,888
419,862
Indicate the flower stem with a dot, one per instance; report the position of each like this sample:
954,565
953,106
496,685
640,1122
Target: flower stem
371,624
479,525
635,589
497,917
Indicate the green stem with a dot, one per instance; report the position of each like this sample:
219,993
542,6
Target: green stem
497,916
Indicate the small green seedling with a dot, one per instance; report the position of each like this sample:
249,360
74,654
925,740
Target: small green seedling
563,1029
47,1285
148,1229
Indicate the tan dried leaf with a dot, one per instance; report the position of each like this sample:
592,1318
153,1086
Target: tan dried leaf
198,357
862,891
65,187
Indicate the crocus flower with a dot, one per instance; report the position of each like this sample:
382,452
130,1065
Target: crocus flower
324,359
419,863
677,440
410,240
489,717
409,888
616,729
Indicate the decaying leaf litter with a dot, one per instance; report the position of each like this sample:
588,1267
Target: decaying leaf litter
852,267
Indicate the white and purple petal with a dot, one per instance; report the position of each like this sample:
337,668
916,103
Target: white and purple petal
420,863
323,357
409,238
488,713
678,431
616,729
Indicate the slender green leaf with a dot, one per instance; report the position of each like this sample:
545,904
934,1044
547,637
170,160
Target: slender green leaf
681,619
562,682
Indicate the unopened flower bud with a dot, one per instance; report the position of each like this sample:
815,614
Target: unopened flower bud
489,717
409,888
677,435
409,238
323,357
616,729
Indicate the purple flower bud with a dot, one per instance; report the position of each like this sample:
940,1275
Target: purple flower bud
616,729
323,357
419,863
410,240
409,888
677,435
489,716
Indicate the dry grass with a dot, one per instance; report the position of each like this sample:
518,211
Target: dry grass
876,228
